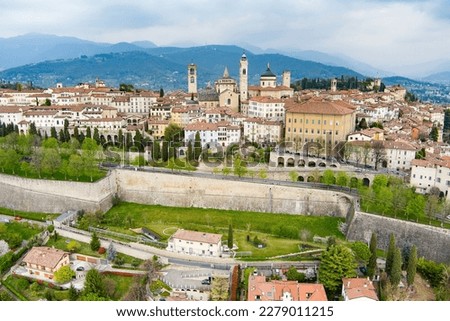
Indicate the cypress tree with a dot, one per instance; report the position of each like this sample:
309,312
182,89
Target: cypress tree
95,242
156,150
96,136
395,275
190,152
88,132
53,133
372,266
197,146
390,254
412,266
230,236
165,151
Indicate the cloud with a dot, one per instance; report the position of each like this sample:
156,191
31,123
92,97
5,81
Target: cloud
380,32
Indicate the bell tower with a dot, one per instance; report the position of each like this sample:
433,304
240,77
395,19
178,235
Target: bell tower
243,77
192,78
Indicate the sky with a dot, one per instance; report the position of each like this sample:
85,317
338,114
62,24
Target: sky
386,34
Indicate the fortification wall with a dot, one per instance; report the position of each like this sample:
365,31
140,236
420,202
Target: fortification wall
431,242
211,192
38,195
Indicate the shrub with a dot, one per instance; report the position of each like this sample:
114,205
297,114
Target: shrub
101,250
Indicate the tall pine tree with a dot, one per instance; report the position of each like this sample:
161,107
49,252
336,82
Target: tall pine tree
197,146
395,274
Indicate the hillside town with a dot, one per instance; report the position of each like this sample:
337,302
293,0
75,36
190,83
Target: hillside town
378,131
375,129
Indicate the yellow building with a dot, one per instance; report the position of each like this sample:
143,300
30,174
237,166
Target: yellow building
318,121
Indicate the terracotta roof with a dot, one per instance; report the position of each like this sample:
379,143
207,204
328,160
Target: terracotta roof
44,256
201,126
275,289
197,236
13,109
265,99
321,107
356,288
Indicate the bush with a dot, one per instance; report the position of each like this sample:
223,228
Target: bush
432,271
101,250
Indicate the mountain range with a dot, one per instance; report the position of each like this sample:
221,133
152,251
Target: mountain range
47,59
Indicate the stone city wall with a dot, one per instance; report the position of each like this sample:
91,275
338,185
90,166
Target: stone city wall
432,242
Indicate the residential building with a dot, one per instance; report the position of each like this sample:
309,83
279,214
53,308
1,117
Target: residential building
268,86
262,131
319,121
267,108
195,243
213,134
366,135
45,261
281,290
360,289
431,172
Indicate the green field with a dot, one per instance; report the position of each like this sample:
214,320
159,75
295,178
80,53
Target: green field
35,216
282,233
13,233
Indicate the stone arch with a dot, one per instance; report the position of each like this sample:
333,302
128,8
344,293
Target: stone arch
290,162
109,139
366,181
116,138
311,164
322,164
310,179
280,162
333,165
301,179
301,163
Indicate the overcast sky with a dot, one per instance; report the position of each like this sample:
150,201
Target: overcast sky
383,33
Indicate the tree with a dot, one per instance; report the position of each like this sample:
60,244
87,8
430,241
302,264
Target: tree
366,153
75,166
293,275
73,293
230,236
293,175
361,251
262,173
434,134
73,246
156,150
53,133
161,92
363,124
173,133
239,167
415,206
328,177
94,284
342,179
165,151
432,206
88,132
379,153
197,146
219,289
412,266
395,274
189,152
390,253
95,242
96,136
51,161
64,274
32,131
337,263
372,265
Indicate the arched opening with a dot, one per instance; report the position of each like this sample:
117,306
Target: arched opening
280,162
366,181
311,164
333,165
109,138
322,164
301,163
290,162
301,179
310,179
353,182
116,138
384,163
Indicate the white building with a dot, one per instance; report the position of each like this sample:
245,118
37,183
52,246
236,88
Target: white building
211,134
266,107
195,243
358,289
431,172
366,135
262,131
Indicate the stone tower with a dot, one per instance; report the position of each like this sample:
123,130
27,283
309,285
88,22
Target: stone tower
333,84
192,78
243,77
286,78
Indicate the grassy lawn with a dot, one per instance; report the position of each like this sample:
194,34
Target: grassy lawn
85,249
281,232
36,216
117,285
57,176
61,243
14,232
34,291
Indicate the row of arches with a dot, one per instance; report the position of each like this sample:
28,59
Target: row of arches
319,179
292,162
